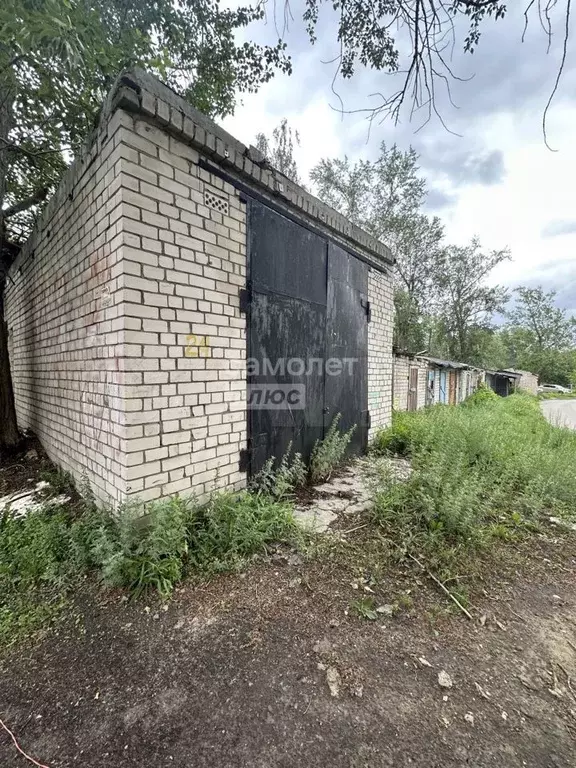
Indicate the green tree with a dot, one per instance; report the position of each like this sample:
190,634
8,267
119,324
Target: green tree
465,302
279,150
540,337
544,325
57,60
386,198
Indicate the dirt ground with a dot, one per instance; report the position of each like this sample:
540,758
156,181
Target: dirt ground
25,468
271,668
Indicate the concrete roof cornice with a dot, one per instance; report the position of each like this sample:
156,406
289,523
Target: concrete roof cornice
138,92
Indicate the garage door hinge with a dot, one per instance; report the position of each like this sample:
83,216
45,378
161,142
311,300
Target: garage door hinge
245,296
368,420
366,305
244,463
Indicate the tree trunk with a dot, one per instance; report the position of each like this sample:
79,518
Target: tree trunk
9,434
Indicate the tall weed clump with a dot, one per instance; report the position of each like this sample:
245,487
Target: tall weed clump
280,482
45,554
479,473
328,454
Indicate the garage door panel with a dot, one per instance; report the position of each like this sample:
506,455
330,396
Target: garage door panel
285,333
285,257
347,345
308,307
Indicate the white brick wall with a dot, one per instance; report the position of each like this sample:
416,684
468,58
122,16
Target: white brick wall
64,313
380,329
402,366
127,345
185,338
528,382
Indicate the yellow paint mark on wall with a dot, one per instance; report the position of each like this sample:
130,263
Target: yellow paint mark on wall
197,346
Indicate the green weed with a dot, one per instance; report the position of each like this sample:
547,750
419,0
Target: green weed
280,482
482,473
482,396
556,395
329,453
365,608
140,547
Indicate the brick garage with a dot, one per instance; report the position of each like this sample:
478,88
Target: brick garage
528,382
410,382
128,340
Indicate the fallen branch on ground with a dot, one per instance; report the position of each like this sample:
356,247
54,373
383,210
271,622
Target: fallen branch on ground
442,587
431,575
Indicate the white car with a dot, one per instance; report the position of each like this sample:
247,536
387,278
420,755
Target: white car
554,388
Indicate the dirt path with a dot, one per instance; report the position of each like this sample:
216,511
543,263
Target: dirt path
237,673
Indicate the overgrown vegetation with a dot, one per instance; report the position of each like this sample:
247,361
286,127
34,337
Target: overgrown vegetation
280,482
483,395
481,473
46,553
145,547
329,453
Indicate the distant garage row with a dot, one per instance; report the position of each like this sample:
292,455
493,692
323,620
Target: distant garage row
422,380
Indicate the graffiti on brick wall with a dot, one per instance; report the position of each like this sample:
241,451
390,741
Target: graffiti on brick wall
197,346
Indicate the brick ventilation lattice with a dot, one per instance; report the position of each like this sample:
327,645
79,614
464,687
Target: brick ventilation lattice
219,204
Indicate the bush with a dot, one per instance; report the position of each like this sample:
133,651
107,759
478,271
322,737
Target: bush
38,562
35,549
153,546
144,547
482,396
233,527
328,453
398,437
492,470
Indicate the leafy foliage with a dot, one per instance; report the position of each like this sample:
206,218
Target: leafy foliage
540,337
233,527
494,470
386,197
328,453
143,553
59,57
482,396
398,437
281,481
141,548
365,608
545,325
465,301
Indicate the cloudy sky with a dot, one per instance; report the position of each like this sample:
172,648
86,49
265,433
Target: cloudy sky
496,179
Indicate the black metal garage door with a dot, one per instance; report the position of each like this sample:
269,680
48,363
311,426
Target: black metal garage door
307,338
